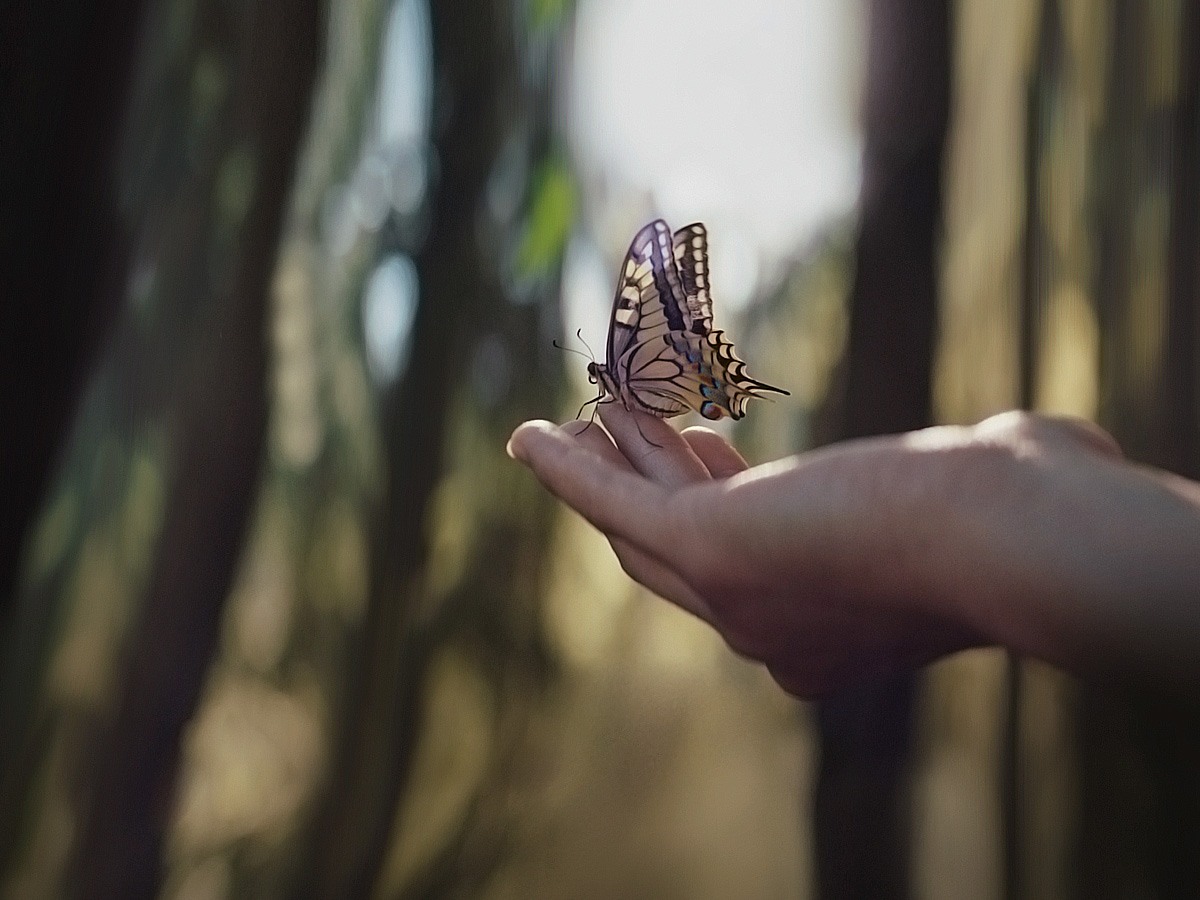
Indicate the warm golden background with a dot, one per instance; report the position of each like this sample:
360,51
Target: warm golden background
281,620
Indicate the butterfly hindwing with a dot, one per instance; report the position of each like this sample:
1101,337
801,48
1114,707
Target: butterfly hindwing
720,385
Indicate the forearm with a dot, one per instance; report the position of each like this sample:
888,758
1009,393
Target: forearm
1090,563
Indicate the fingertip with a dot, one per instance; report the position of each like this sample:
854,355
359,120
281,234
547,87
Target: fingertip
719,456
526,437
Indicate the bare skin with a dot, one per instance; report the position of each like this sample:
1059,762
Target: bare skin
877,555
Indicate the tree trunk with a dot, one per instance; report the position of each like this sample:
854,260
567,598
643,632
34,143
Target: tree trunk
217,450
1140,784
861,813
63,92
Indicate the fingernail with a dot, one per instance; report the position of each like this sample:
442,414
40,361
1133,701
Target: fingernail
512,453
516,447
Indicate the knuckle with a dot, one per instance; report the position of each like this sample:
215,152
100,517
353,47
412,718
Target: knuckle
1016,424
1018,427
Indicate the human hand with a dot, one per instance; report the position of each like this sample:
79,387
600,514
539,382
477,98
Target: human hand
882,554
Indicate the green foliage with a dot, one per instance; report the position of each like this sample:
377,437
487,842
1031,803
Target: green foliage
553,203
544,13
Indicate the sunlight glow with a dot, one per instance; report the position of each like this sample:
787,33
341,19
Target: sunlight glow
741,113
389,308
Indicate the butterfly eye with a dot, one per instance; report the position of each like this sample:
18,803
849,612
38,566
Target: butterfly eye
591,370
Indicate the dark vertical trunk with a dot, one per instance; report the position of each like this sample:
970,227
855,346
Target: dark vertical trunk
354,819
1036,273
861,811
63,91
893,311
1181,366
1140,781
217,450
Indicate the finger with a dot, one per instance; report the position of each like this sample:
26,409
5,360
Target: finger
593,436
619,502
717,454
653,447
644,569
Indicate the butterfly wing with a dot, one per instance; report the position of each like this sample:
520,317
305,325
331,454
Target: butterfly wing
649,306
649,293
663,356
716,379
722,385
690,245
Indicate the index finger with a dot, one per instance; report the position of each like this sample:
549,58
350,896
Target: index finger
619,502
654,448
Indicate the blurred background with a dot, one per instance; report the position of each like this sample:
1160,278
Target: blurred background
281,620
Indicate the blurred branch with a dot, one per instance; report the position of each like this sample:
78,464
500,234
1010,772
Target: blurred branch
217,455
354,818
1120,145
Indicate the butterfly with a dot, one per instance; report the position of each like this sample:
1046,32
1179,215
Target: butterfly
663,356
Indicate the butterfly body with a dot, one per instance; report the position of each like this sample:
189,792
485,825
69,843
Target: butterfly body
663,356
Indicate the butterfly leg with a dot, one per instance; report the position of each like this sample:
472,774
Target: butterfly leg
643,434
597,400
592,418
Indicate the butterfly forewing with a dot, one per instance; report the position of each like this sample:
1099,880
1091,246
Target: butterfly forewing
648,291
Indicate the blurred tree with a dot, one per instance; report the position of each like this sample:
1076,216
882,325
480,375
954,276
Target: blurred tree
206,232
479,364
1140,781
861,811
63,89
216,454
63,94
1039,266
378,737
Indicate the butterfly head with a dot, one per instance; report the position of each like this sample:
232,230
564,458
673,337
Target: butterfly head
598,373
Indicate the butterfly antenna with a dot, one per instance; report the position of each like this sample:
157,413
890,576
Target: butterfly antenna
579,334
559,346
590,356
